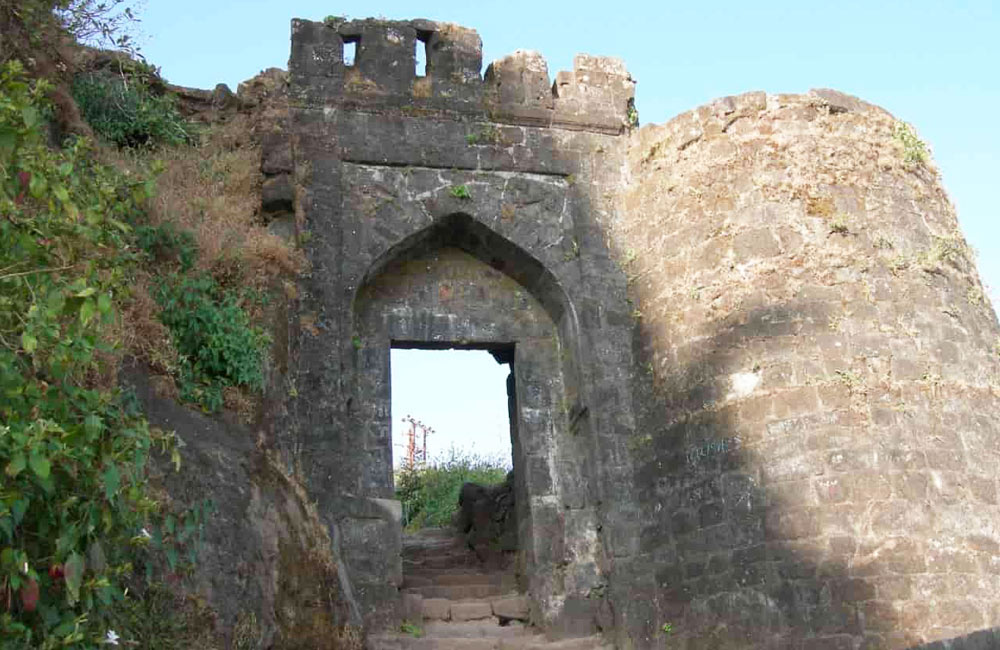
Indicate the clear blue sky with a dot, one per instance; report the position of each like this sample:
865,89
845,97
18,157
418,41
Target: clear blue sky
933,64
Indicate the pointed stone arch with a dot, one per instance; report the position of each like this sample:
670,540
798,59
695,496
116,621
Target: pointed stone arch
460,230
459,284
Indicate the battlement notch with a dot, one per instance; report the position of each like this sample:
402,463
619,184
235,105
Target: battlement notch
382,74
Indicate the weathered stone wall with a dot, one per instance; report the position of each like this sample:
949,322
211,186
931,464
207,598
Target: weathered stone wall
452,210
266,566
817,456
756,376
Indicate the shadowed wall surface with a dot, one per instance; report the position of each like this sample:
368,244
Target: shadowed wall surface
820,444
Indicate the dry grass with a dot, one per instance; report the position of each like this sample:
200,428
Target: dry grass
135,331
140,331
212,190
240,402
820,206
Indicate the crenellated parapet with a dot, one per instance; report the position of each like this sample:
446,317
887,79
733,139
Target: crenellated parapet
596,95
371,65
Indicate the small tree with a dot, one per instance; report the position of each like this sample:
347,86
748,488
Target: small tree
102,23
31,26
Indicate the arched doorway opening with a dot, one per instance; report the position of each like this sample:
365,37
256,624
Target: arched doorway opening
458,284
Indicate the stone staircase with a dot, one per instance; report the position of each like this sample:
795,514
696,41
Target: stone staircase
453,602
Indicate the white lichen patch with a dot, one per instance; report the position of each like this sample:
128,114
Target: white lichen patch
394,36
742,384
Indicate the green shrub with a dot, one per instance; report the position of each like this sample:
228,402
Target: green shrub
632,114
914,150
123,110
460,192
214,337
429,494
74,503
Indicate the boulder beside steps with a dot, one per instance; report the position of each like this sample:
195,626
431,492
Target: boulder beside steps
452,602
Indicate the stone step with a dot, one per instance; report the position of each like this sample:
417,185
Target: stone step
434,578
511,607
429,547
450,554
459,592
474,629
516,642
409,642
414,568
427,551
576,643
431,533
505,607
442,562
445,609
426,541
460,604
465,577
410,581
418,544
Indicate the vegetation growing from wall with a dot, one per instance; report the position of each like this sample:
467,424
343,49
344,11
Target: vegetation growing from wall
429,493
199,302
198,307
914,150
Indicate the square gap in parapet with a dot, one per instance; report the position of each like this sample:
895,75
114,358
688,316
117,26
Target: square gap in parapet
351,50
421,52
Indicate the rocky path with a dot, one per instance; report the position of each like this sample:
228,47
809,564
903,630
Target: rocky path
455,603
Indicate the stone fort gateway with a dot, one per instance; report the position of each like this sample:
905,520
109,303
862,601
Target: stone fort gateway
756,382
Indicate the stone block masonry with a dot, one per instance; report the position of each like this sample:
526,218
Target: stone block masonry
756,377
454,211
818,446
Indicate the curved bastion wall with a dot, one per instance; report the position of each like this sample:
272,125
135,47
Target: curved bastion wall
779,372
818,442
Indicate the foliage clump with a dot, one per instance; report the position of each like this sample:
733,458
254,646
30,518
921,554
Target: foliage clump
632,115
210,265
217,344
41,26
124,110
74,505
108,23
104,252
490,134
166,243
914,150
460,192
429,493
